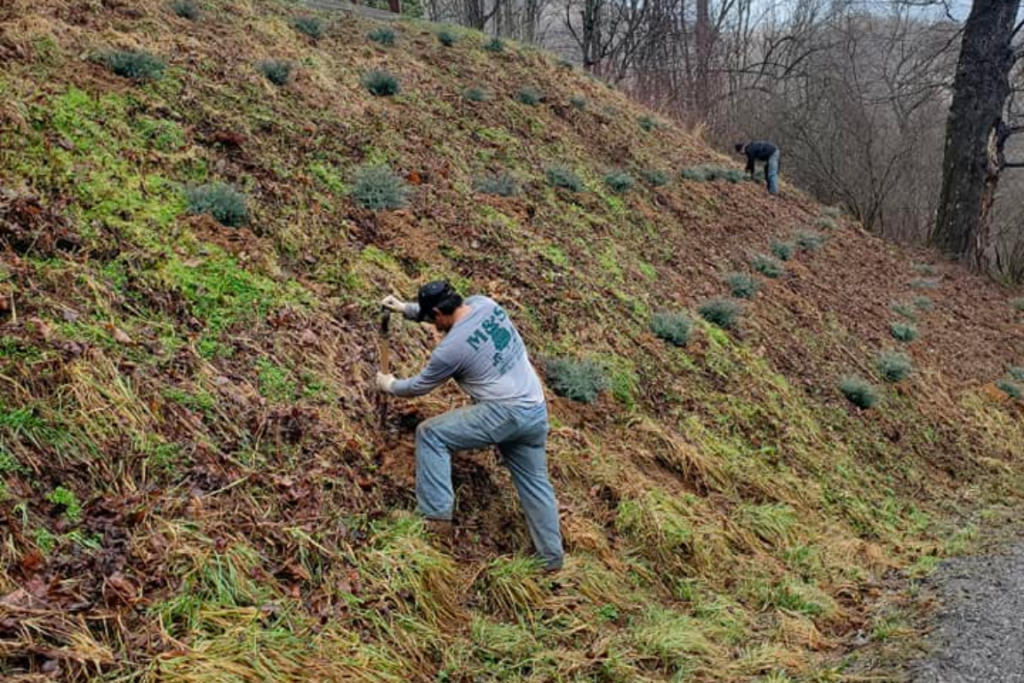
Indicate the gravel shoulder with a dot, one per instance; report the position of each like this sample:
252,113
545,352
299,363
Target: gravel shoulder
979,633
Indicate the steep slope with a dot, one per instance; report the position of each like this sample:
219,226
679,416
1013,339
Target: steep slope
195,484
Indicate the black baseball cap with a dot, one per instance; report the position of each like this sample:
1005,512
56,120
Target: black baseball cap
431,296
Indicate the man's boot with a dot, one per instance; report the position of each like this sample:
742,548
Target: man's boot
441,530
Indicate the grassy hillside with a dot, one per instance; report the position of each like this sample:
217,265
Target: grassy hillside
194,486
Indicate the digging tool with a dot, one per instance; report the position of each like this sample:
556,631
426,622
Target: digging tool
385,363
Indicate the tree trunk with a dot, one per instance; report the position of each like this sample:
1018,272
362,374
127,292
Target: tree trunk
972,159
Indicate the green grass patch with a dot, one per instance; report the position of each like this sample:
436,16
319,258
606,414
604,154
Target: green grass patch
66,500
275,382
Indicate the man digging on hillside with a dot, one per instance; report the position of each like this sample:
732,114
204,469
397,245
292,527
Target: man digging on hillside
758,150
483,352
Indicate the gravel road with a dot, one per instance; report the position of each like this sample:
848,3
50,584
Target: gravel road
979,635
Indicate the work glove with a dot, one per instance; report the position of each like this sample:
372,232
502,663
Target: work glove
384,382
393,303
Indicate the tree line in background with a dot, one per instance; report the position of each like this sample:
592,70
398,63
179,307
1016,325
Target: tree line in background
903,111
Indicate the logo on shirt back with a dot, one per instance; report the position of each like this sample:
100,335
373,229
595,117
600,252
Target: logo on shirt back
492,329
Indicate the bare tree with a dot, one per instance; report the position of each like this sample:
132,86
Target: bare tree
976,133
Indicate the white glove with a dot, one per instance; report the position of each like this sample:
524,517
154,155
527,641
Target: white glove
384,382
393,303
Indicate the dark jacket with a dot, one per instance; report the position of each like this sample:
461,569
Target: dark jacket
758,151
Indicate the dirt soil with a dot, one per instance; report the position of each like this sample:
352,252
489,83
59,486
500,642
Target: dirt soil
980,627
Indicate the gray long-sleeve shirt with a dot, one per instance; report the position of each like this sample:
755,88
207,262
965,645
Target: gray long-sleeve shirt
484,353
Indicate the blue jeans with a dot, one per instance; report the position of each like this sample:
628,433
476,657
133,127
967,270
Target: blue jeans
771,173
521,435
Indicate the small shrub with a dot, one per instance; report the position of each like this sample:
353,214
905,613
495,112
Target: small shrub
647,123
782,250
559,176
826,223
924,269
696,173
578,102
619,181
832,211
742,286
277,71
733,175
577,380
476,95
924,283
721,312
767,266
529,96
138,65
381,84
1017,374
905,310
495,45
904,332
501,184
375,187
382,35
446,38
1018,304
566,63
675,328
655,177
225,204
1011,389
186,9
859,392
923,303
809,241
310,26
893,366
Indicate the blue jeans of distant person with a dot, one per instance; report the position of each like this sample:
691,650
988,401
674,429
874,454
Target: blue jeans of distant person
771,173
521,435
